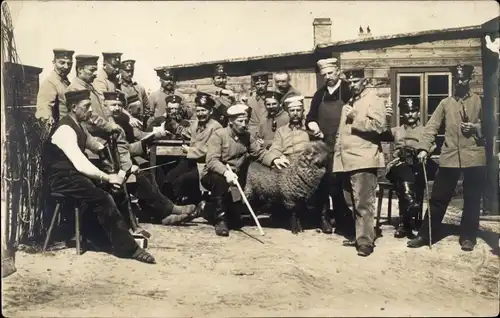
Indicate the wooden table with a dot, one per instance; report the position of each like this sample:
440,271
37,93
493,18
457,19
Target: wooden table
166,147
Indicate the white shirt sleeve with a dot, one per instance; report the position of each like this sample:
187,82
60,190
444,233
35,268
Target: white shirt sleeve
65,139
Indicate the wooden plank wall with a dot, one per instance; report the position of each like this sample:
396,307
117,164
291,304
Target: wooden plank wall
303,79
378,64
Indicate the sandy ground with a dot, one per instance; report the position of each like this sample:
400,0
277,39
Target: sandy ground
201,275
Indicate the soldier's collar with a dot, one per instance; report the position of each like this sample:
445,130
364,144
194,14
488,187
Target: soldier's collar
275,115
465,97
296,126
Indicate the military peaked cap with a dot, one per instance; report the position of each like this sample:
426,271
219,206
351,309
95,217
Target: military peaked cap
408,105
128,65
115,96
273,95
164,73
76,96
112,57
462,71
204,100
237,110
354,74
174,99
63,54
219,70
132,99
260,76
82,60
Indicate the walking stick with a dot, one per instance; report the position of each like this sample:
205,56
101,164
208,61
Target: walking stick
136,228
428,205
246,202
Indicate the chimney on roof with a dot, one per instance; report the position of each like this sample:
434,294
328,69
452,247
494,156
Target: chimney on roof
364,33
322,29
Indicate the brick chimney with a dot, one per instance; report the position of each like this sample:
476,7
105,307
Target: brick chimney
322,28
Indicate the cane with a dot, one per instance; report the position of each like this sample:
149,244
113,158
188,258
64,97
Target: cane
246,202
428,205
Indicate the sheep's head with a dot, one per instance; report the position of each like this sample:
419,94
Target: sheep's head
316,154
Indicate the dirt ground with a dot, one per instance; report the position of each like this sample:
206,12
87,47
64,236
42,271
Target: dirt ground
201,275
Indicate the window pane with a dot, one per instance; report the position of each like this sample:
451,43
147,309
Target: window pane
432,103
409,85
437,84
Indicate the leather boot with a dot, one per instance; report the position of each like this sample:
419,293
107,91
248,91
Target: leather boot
408,193
221,228
325,225
234,217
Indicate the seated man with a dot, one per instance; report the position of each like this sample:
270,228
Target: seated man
174,111
274,117
185,175
70,173
404,170
148,193
291,140
232,146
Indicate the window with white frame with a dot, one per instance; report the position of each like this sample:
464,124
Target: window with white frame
427,89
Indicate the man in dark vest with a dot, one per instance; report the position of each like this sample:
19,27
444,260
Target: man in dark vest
323,120
70,173
462,152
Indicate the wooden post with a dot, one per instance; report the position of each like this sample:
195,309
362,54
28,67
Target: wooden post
8,253
490,109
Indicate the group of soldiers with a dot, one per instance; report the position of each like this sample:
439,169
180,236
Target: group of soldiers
270,126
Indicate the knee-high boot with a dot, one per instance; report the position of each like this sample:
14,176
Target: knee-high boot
406,193
220,216
324,223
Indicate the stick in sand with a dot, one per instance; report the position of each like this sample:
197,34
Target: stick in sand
246,202
428,205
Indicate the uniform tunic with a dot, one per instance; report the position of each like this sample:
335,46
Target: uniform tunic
225,147
222,103
265,130
50,101
158,105
130,89
257,104
288,141
458,151
358,142
103,84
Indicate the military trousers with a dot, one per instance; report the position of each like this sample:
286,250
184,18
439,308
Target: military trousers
359,191
442,192
74,185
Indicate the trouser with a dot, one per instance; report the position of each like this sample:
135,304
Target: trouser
359,191
150,196
410,185
221,193
442,192
332,185
184,180
78,187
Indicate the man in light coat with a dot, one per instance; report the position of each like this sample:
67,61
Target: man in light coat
358,154
462,152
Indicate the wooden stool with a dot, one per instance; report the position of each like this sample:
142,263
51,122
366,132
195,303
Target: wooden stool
59,198
384,185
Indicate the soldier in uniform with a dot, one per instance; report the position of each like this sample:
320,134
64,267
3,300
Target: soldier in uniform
50,99
185,175
99,124
70,173
273,118
157,99
290,140
358,154
282,82
148,193
173,110
462,152
130,88
107,79
323,121
260,82
232,145
223,96
404,171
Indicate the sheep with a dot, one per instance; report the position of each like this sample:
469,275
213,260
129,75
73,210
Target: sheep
292,186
